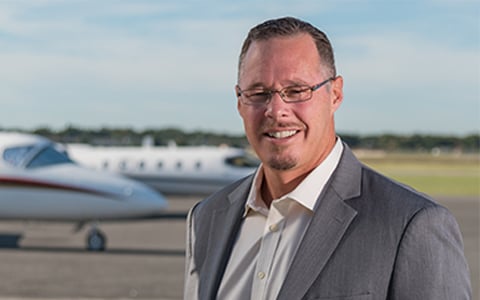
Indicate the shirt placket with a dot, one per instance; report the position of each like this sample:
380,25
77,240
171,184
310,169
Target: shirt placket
269,245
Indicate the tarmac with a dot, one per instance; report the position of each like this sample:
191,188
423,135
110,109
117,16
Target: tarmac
143,260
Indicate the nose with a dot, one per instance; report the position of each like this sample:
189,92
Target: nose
276,108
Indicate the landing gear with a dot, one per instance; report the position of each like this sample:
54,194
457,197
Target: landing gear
96,240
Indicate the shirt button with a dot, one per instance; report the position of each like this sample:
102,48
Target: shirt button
261,275
273,227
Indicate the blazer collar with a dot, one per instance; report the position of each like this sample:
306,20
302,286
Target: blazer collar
224,225
330,221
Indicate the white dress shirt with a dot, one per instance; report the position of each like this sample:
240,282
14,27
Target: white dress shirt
268,238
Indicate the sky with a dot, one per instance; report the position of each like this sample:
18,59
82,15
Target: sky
409,67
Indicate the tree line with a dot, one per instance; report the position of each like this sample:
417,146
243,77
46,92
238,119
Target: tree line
129,137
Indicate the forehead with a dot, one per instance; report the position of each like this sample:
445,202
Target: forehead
281,58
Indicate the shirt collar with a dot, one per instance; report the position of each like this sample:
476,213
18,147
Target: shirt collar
254,199
307,192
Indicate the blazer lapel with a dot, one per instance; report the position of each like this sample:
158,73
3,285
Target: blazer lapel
329,223
224,226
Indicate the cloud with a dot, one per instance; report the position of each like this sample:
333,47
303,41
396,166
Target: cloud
398,60
152,62
401,82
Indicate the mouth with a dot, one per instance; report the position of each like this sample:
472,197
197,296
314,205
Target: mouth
281,134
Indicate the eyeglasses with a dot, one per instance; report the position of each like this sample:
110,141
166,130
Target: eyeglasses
289,94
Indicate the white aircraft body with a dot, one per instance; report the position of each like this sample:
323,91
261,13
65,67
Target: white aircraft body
38,181
170,169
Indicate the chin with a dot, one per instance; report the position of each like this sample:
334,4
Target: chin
282,163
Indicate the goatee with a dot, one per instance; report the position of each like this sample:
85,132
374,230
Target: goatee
282,163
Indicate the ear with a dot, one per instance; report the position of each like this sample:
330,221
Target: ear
337,92
237,94
237,91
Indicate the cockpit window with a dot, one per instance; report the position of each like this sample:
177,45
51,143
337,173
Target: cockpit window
243,161
16,155
49,156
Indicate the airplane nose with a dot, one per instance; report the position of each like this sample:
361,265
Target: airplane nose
128,191
147,198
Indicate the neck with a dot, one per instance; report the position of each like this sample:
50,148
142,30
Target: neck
277,183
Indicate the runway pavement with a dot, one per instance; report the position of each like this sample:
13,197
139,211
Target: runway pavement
143,260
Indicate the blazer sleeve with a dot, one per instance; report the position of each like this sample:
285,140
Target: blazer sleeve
191,276
430,261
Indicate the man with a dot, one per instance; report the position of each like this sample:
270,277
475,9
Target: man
313,222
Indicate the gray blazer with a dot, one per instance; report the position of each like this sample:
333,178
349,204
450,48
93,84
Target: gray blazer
370,238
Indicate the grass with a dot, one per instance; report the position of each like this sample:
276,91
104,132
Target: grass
444,175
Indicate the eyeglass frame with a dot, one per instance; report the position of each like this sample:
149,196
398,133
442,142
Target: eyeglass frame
281,92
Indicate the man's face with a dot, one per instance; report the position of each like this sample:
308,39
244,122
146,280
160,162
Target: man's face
289,136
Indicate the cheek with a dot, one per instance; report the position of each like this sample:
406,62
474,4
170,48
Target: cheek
250,116
249,125
316,118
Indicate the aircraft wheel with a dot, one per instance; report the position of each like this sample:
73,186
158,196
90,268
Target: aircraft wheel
96,240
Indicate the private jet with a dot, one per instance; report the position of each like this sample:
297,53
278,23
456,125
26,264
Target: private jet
38,181
172,169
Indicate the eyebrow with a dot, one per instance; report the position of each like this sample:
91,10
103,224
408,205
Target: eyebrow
290,83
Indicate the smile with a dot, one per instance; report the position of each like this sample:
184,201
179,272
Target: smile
282,134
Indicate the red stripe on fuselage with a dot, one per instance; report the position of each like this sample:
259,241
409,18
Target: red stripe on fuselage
32,183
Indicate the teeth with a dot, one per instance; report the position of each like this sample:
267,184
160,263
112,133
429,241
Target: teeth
282,134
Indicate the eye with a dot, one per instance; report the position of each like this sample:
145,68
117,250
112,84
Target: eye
296,91
257,93
257,96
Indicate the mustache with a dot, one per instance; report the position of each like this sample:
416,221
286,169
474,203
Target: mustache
270,125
